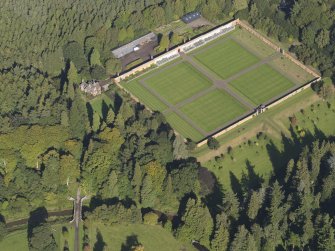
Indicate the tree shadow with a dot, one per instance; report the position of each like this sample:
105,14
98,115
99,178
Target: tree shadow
236,186
251,180
117,103
36,218
131,241
99,244
215,198
90,112
104,109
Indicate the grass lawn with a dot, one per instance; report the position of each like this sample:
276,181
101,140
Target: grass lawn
213,110
183,127
15,241
122,237
144,95
226,58
262,154
261,84
178,82
99,102
243,159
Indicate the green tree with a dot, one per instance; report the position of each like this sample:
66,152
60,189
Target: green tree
255,203
213,143
72,74
197,223
164,42
3,230
95,57
113,66
150,218
122,35
322,38
240,4
220,239
98,72
42,239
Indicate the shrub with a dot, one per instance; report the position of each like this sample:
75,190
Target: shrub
150,218
213,143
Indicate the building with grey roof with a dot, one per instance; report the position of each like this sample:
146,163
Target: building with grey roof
134,45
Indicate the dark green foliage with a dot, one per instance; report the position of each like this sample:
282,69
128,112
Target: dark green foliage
98,72
117,213
3,230
42,238
197,223
213,143
74,52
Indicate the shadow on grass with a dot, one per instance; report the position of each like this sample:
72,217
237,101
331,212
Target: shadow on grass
130,242
99,244
36,218
292,148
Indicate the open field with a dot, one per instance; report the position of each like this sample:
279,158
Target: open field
262,84
260,155
123,237
226,58
207,89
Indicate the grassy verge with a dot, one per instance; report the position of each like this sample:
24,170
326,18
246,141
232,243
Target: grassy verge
123,237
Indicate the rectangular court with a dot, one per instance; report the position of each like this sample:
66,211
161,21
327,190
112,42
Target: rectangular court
206,90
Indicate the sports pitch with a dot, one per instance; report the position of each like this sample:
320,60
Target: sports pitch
213,86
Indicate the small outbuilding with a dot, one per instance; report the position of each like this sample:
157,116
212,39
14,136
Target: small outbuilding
190,17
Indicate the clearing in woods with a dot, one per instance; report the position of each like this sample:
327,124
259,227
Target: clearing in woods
216,84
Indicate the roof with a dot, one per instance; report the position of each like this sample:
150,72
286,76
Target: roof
188,18
128,48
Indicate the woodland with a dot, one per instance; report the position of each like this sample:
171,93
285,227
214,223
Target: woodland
130,160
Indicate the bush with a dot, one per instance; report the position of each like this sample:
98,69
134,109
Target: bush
213,144
98,72
150,218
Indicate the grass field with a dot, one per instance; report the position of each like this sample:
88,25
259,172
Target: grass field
262,84
226,58
122,237
178,83
213,109
191,90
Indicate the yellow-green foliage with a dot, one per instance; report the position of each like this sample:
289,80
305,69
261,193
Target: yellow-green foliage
32,141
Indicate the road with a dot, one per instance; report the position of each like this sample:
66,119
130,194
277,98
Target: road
77,214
